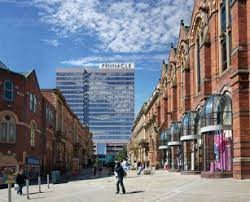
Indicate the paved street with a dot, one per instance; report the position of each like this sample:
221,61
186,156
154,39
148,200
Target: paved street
160,186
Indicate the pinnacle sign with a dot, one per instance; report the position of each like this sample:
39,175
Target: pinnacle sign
117,66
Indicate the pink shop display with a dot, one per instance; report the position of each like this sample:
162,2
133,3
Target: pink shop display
222,153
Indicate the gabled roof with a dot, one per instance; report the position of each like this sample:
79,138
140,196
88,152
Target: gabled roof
183,34
26,74
2,65
163,69
172,54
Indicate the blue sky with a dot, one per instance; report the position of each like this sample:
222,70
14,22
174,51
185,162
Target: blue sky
47,34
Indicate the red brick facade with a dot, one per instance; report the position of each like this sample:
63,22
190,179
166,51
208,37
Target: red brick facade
184,90
22,117
28,126
73,140
209,66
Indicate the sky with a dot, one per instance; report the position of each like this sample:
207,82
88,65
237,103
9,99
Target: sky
49,34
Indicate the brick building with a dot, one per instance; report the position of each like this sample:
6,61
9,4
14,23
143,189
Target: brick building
204,96
73,140
29,123
26,133
138,145
144,143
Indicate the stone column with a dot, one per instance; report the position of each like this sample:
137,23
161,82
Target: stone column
240,88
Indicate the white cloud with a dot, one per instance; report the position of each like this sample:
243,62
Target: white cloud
121,26
51,42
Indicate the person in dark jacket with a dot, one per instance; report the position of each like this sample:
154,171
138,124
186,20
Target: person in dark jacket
120,175
20,179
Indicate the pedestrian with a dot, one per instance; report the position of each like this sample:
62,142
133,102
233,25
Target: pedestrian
141,168
138,165
100,167
95,168
120,173
20,179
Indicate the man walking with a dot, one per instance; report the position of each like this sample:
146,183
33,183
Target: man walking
20,178
119,174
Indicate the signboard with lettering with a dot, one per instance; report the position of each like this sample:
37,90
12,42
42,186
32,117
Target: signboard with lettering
31,160
117,66
8,174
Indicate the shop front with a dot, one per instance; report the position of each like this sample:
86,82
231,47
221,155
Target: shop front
217,137
175,146
8,169
190,143
164,149
32,167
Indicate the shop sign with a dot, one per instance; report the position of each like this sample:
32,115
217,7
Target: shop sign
31,160
8,174
117,66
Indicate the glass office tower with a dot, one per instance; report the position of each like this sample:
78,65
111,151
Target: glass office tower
102,98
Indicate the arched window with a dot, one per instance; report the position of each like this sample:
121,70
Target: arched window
7,129
198,38
32,134
33,102
226,40
182,59
8,90
198,63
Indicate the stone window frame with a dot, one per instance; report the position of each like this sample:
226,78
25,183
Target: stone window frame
8,90
8,124
225,36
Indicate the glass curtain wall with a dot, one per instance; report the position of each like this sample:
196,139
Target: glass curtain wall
189,138
175,144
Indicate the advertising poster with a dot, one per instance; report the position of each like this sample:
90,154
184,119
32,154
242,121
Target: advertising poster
7,174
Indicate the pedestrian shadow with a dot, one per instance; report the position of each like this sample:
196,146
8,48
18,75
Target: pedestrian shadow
132,176
37,197
33,193
134,192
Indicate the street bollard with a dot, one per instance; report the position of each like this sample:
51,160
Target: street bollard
39,184
48,180
9,192
27,189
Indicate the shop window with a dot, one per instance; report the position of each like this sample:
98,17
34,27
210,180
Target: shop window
7,130
8,90
32,134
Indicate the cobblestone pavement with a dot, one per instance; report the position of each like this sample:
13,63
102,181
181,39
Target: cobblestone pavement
159,186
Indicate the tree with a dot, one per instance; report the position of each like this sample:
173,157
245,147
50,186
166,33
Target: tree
121,155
